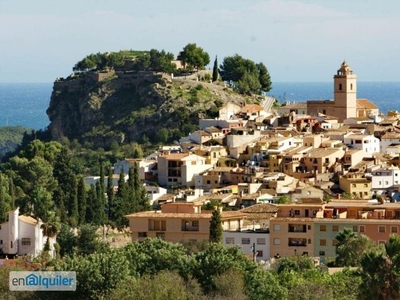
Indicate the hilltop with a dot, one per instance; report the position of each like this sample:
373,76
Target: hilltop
126,106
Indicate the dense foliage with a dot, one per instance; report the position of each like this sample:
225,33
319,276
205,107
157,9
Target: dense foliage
155,269
247,76
10,138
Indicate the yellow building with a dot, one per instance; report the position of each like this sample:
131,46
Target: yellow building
356,184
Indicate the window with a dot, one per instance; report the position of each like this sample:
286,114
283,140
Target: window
260,241
334,242
322,227
259,253
322,242
322,253
160,235
340,86
230,240
195,223
335,228
11,244
297,212
1,242
245,241
277,241
381,242
142,234
394,229
381,229
362,228
208,181
277,227
355,228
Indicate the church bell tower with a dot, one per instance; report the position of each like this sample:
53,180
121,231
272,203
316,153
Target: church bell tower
345,92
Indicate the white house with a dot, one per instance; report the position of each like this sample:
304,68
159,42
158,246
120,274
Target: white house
385,179
247,239
368,143
91,180
146,166
22,235
154,192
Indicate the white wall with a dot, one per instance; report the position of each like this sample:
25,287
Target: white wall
254,238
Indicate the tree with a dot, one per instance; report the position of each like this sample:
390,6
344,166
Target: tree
161,61
246,76
380,272
351,247
195,57
88,241
216,227
284,199
67,240
215,70
264,77
82,204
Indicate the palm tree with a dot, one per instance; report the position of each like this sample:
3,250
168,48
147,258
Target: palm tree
50,228
380,272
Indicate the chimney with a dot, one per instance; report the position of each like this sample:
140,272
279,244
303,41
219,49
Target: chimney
337,196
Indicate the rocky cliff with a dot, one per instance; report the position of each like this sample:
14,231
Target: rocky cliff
127,107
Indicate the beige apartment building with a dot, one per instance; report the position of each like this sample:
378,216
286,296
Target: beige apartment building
177,222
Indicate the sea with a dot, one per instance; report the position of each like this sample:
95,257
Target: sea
25,104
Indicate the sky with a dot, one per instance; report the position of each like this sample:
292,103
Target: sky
298,40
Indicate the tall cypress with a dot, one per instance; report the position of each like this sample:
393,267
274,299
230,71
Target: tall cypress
216,227
118,210
82,205
215,70
110,192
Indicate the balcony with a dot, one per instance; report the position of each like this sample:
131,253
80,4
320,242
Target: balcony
297,242
297,228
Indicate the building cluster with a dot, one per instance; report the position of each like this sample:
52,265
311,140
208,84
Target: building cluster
288,179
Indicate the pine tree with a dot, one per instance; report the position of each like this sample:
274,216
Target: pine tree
215,70
216,227
82,205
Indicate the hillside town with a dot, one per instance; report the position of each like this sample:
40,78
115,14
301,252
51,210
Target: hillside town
286,180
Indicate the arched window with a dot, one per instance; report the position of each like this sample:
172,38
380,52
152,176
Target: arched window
340,86
351,86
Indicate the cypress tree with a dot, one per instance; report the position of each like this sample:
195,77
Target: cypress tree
118,208
110,192
216,227
215,70
99,205
82,205
141,197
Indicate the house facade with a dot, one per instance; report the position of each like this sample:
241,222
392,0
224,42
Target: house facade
22,235
177,222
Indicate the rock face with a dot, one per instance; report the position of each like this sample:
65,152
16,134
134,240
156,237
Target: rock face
130,106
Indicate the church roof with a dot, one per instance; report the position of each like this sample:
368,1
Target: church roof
365,103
